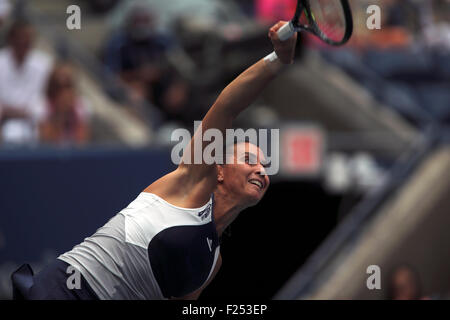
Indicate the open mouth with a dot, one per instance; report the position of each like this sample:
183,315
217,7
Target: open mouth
257,183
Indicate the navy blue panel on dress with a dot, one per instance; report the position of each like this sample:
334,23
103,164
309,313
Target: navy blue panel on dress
182,257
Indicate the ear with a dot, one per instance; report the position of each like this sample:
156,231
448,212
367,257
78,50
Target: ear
220,173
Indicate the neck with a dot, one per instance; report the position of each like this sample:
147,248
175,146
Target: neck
225,210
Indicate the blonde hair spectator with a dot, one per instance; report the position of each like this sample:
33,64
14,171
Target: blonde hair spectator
67,119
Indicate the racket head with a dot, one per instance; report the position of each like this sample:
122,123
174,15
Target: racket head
330,20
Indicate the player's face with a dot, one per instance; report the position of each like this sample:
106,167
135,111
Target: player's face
246,177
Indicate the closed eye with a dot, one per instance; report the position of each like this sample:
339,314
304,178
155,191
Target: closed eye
250,159
265,164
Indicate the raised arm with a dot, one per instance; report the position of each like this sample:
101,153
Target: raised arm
242,91
199,180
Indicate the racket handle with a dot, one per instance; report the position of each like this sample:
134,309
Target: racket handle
286,31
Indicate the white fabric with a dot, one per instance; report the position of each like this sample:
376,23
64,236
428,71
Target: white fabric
141,228
115,262
271,57
22,87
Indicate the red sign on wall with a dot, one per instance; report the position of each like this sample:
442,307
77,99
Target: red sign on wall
302,150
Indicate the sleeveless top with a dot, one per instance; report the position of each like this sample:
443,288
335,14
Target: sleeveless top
149,250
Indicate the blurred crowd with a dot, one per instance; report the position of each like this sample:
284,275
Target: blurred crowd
405,65
136,54
39,100
405,283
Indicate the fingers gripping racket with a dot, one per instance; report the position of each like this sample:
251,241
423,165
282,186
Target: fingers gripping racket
330,20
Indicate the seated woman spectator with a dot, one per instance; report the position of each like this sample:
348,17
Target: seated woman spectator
67,118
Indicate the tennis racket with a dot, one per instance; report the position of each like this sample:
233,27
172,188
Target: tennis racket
330,20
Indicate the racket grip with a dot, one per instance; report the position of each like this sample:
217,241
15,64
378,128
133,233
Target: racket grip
286,31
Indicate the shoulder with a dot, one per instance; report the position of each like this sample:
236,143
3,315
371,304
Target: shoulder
40,59
39,56
170,186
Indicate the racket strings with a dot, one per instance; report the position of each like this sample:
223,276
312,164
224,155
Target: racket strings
303,20
329,18
332,32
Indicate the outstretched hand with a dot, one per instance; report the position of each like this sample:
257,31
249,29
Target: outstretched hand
285,50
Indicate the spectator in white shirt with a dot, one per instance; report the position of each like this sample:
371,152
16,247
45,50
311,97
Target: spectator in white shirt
23,76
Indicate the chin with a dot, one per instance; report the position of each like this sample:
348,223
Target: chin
253,200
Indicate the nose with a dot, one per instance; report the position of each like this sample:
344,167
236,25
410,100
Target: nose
261,170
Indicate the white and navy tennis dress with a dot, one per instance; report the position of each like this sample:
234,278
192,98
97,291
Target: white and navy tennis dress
149,250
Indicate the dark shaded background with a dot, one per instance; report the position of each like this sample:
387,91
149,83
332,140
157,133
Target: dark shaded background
268,242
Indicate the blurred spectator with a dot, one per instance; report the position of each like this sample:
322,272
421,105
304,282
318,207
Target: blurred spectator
403,13
247,6
398,18
137,55
399,72
67,118
436,34
5,9
23,75
405,284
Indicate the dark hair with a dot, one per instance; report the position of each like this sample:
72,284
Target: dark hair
54,84
412,271
235,142
17,25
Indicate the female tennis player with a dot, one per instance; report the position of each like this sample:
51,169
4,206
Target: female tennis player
165,244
